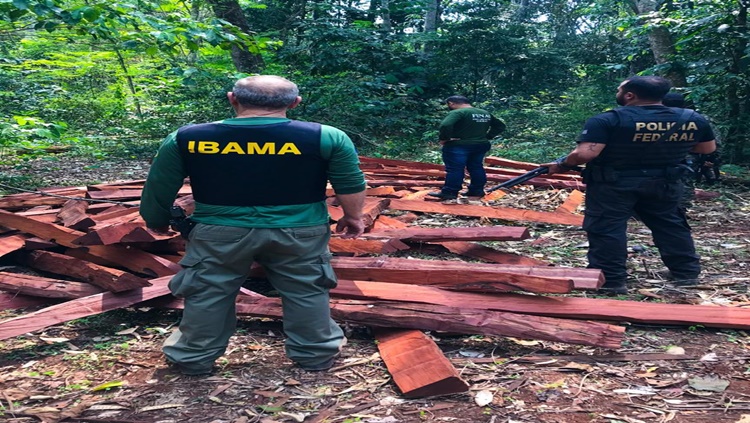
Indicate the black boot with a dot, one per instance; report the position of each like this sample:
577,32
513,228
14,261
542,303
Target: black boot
615,287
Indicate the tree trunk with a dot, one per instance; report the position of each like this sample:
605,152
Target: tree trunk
230,11
738,93
661,42
431,16
385,13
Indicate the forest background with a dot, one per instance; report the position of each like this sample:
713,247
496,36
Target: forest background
111,79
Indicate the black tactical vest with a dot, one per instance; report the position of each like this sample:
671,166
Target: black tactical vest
635,142
254,165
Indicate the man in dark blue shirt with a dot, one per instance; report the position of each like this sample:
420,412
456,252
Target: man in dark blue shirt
633,166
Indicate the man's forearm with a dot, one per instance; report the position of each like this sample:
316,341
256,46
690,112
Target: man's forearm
352,204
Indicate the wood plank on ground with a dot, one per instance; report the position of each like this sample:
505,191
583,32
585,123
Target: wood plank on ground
456,233
418,366
455,275
482,252
47,196
137,261
45,287
11,242
73,215
81,307
571,204
413,315
13,301
488,212
371,268
113,280
365,246
561,307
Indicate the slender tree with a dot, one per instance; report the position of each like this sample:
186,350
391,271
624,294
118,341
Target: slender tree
244,59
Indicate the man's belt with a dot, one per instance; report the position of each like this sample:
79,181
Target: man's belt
641,172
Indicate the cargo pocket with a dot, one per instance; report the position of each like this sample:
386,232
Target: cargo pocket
590,219
327,277
185,281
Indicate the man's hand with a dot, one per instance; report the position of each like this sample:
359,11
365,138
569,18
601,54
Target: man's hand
553,168
161,230
352,227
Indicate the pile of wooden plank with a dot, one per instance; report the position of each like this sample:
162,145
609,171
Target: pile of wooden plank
80,251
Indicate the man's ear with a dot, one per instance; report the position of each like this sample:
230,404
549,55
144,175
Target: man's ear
296,103
232,99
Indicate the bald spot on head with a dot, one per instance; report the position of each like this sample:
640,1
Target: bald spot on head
266,91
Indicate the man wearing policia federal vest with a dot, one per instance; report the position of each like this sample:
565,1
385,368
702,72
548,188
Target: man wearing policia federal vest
632,169
259,183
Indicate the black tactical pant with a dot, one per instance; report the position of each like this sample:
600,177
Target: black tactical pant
609,206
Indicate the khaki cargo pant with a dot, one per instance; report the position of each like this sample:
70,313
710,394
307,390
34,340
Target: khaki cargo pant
217,261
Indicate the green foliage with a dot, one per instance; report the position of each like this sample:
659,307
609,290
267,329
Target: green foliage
114,78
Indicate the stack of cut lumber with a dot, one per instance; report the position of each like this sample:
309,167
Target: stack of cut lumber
79,251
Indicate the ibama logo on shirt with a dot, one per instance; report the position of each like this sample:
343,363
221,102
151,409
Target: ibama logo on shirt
269,148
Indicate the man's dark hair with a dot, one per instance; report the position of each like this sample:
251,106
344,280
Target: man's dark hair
674,100
647,87
458,99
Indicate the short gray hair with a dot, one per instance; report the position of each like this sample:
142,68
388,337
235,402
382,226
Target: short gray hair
265,91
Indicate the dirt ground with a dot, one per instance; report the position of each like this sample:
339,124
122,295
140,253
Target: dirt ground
109,368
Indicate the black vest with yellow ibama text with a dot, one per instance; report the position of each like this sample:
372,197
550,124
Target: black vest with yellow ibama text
254,165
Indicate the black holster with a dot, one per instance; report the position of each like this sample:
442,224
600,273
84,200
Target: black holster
180,222
598,174
678,173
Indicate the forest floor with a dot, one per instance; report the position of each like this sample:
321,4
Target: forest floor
109,367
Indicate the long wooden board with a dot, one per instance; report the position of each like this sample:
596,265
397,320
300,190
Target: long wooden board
563,307
413,315
390,269
455,233
489,212
81,307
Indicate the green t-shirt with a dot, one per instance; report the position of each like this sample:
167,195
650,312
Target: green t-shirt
470,125
168,173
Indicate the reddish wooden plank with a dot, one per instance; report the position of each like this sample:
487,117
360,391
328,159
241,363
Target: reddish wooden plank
138,261
372,208
35,243
108,234
404,183
45,287
55,197
14,301
11,242
563,307
583,277
117,214
384,222
73,215
412,315
456,233
81,307
571,204
115,194
365,246
113,280
481,252
488,212
417,365
460,276
403,163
